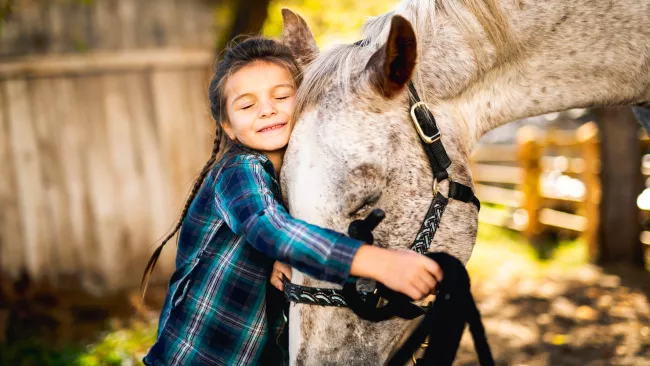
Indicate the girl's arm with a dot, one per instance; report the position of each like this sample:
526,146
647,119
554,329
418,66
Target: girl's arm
405,271
246,203
244,200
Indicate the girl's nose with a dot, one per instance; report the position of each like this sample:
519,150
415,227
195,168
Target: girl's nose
267,109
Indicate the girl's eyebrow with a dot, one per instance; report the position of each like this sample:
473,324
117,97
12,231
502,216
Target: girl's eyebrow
283,86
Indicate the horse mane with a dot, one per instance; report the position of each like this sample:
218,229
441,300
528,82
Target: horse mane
339,62
422,12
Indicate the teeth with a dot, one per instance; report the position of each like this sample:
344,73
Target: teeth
272,128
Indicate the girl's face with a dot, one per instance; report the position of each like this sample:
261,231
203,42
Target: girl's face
259,103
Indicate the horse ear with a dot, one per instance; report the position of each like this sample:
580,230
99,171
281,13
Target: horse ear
391,67
298,37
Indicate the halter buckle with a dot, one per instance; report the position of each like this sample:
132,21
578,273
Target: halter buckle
424,345
423,136
379,298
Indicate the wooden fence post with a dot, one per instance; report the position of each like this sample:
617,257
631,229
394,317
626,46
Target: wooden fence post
587,136
620,176
529,151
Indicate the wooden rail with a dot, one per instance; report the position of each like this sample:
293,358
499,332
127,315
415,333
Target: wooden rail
134,60
509,179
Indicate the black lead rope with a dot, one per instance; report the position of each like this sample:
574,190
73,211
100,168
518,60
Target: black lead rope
444,322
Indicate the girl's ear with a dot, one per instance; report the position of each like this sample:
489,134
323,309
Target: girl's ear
227,128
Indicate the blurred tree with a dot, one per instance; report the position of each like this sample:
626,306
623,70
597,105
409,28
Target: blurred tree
340,21
334,21
6,8
247,17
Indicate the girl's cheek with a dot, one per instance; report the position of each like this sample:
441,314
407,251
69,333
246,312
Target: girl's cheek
290,128
290,110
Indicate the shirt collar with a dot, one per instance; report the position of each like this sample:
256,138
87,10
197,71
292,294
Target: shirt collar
266,163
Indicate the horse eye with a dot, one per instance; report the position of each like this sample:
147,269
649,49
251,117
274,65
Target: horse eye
367,204
361,210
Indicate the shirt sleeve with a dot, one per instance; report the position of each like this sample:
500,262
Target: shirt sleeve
244,200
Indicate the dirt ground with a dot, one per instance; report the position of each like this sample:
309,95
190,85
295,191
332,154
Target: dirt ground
585,316
558,312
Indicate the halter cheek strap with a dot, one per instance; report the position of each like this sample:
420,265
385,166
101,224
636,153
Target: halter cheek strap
431,140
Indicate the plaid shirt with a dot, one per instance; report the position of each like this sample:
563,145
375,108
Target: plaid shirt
220,308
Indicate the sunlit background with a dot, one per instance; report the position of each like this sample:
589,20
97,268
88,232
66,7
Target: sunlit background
104,125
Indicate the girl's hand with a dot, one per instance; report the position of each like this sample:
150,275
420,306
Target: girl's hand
280,271
404,271
412,274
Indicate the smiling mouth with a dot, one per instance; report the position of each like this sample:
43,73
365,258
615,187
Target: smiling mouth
273,127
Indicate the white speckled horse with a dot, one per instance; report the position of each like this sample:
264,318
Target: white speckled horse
478,64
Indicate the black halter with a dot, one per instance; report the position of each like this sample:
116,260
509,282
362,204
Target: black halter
454,305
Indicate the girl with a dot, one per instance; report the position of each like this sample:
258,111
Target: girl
219,308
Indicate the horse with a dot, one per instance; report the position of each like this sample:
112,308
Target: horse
477,64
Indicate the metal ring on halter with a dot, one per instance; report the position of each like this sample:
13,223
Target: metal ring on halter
425,138
435,187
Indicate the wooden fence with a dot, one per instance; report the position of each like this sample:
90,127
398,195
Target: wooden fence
104,124
97,154
546,181
97,160
37,27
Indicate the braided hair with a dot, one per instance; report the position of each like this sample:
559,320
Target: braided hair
238,55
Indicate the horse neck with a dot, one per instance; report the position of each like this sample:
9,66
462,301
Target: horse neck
573,54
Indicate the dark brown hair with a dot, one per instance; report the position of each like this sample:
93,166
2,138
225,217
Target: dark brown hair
238,55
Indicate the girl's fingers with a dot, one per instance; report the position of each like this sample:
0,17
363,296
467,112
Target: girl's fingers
277,282
433,268
429,281
411,292
417,294
284,269
279,275
287,273
420,289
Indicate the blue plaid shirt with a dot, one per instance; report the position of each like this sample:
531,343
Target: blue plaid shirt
220,308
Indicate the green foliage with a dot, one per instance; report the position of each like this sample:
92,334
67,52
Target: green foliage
506,250
36,353
6,8
123,346
334,21
223,16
